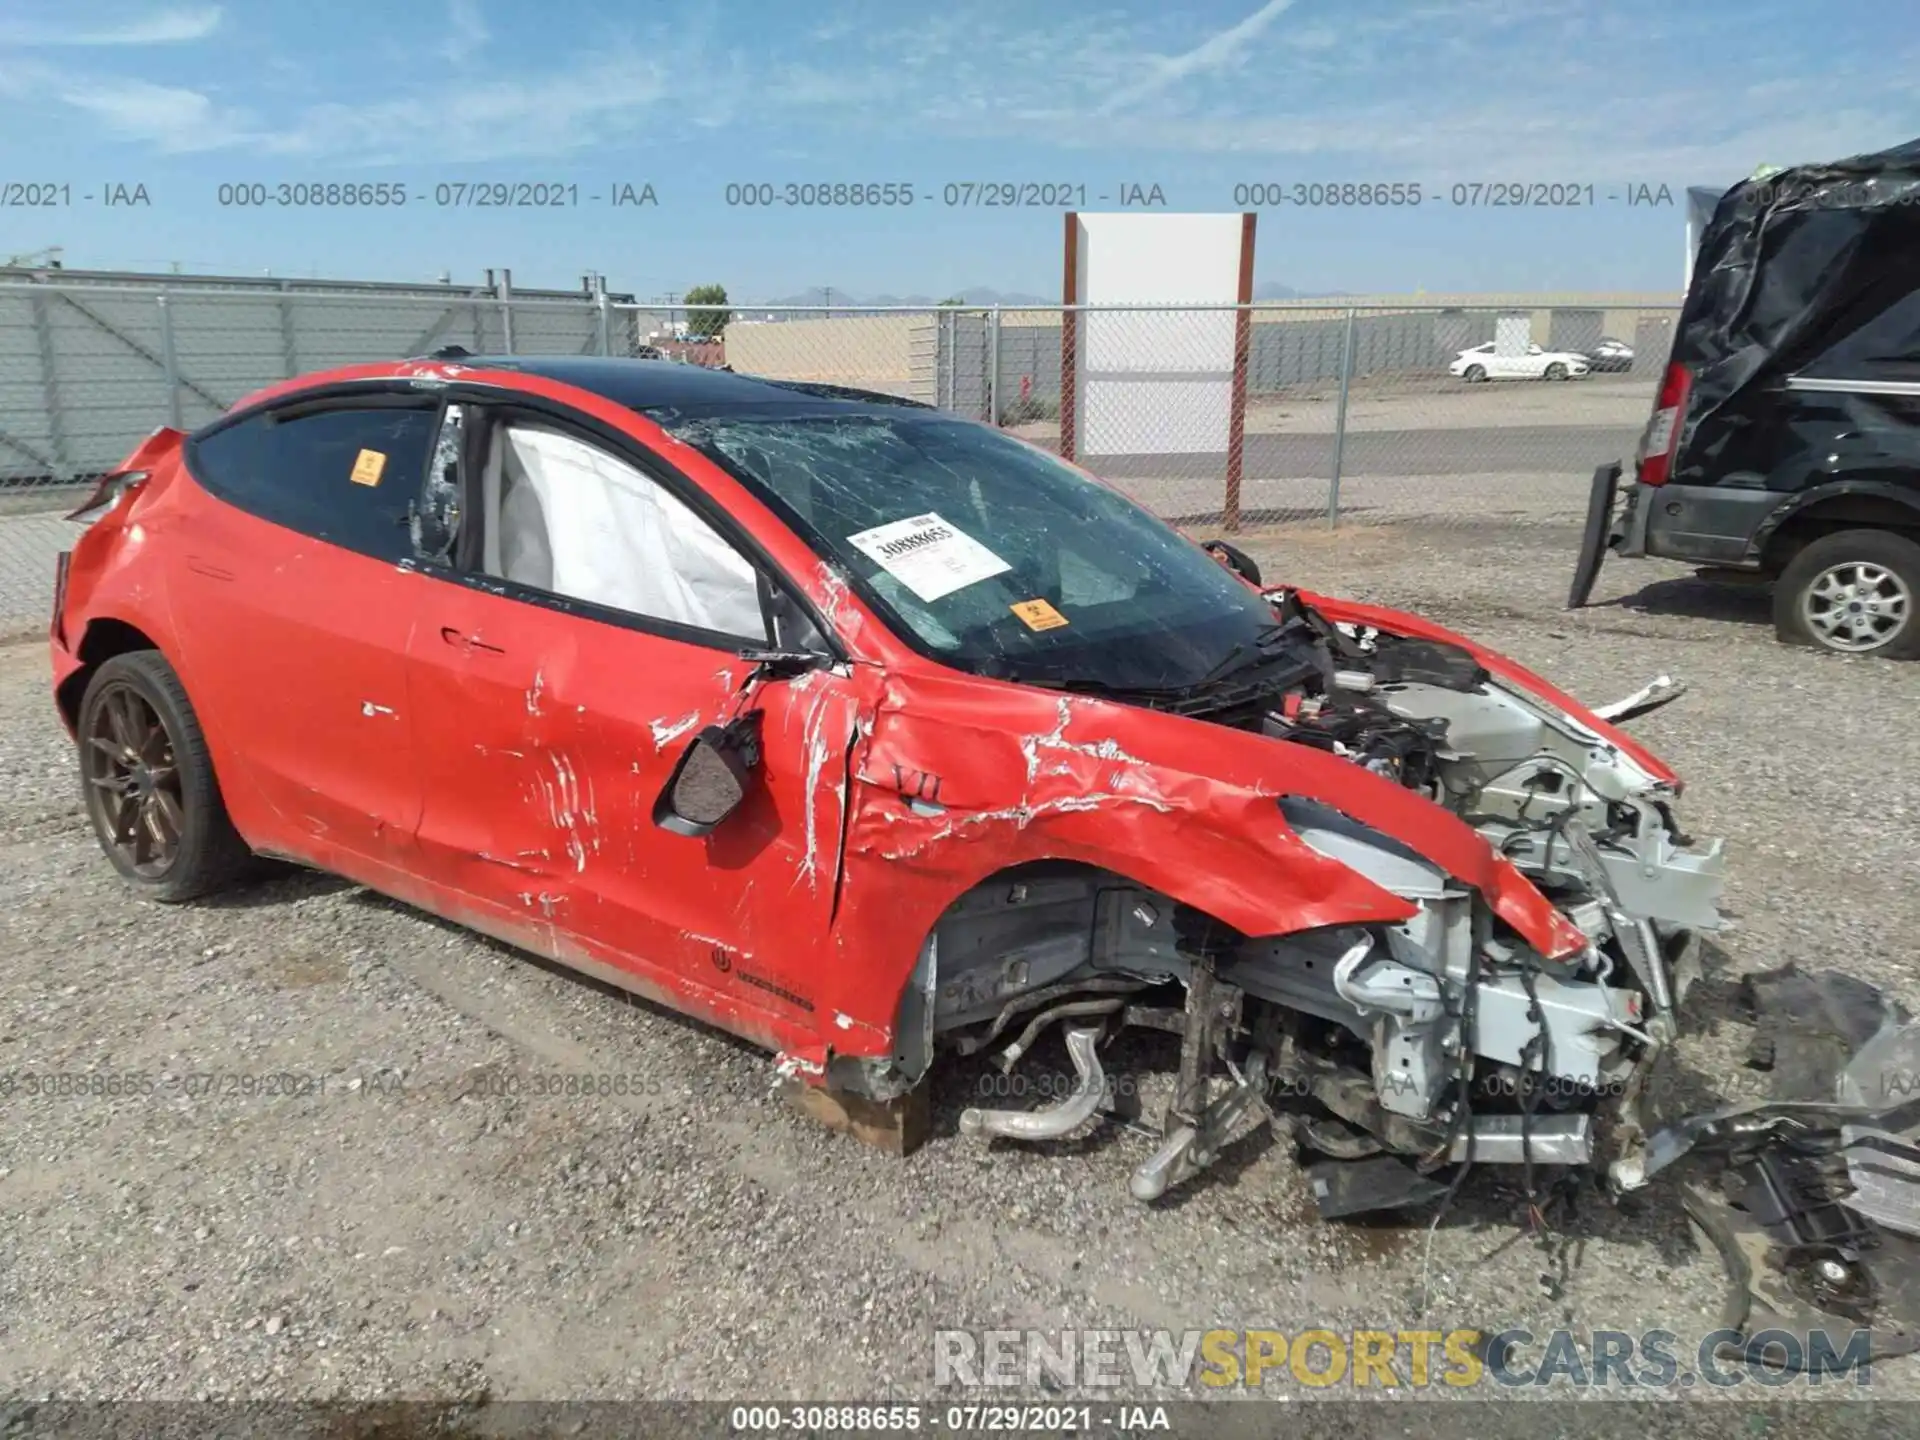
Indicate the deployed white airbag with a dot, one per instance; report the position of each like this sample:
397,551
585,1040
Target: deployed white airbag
615,537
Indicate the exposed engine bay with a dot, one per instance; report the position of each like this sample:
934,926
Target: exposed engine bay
1397,1050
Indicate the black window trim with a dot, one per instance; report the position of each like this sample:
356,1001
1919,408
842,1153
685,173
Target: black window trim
497,403
378,393
353,395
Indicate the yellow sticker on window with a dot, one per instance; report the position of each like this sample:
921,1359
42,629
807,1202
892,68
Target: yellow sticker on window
1039,615
367,467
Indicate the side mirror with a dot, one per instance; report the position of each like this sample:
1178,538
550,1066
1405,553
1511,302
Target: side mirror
1235,559
711,780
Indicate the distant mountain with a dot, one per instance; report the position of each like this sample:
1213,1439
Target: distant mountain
834,295
981,295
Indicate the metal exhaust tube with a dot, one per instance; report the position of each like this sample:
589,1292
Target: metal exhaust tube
1056,1120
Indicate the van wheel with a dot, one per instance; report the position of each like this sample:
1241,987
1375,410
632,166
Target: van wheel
1855,593
150,788
1474,374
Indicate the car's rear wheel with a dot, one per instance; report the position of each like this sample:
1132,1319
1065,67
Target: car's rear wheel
1556,371
1855,593
150,787
1474,374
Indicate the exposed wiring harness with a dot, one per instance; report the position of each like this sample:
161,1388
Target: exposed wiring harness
1538,1047
1462,1115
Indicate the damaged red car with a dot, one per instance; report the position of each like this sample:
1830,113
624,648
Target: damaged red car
868,733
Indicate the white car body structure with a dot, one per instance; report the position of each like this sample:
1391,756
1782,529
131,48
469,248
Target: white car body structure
1486,362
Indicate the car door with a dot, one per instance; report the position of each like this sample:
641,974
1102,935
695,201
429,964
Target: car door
588,627
294,612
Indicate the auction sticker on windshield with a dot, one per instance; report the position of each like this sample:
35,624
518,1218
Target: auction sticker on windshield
927,555
1039,615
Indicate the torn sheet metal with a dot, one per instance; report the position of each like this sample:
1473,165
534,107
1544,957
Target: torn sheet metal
1818,1216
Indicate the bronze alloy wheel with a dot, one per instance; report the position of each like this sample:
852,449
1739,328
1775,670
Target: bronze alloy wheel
133,781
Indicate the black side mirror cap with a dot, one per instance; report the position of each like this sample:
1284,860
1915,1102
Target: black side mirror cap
1235,559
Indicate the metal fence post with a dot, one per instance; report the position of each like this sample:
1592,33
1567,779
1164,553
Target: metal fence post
50,386
993,366
504,291
602,319
289,352
1340,421
169,363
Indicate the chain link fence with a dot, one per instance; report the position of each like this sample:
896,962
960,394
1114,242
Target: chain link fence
1363,414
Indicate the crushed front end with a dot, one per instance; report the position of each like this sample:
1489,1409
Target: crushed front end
1394,1052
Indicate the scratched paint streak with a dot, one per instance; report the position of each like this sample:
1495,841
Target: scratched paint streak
1055,740
665,732
1020,817
817,756
566,811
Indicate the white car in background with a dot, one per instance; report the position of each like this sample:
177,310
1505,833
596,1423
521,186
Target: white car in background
1482,362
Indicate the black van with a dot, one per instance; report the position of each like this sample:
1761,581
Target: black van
1785,438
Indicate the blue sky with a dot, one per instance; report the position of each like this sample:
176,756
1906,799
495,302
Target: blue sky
689,97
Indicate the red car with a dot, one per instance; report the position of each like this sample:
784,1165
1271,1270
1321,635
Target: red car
866,733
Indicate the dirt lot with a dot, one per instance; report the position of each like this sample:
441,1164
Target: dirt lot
410,1228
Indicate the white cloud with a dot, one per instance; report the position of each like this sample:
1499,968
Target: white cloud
1429,90
164,115
1217,52
565,110
158,27
467,31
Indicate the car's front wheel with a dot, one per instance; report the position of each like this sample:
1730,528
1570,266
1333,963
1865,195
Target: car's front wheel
1855,593
150,787
1474,374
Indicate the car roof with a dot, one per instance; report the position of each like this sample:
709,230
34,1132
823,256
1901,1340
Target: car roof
654,385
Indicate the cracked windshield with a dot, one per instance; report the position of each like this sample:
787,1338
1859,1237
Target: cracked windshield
996,557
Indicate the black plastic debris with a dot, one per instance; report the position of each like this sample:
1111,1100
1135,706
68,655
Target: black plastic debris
1818,1217
1355,1187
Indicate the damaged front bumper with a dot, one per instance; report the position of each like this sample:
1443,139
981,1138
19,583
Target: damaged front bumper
1392,1050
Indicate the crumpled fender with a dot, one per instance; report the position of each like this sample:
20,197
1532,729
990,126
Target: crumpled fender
1398,622
102,579
961,778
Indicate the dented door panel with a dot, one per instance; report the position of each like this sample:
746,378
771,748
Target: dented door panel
555,735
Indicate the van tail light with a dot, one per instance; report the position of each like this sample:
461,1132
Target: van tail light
1662,436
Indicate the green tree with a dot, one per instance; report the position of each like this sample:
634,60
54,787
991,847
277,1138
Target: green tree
707,324
954,300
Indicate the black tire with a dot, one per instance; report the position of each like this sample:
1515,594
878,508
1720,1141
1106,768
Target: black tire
1556,371
1474,374
1831,572
155,806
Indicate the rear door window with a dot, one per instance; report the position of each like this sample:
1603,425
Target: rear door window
344,474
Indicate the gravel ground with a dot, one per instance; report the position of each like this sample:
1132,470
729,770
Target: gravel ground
410,1230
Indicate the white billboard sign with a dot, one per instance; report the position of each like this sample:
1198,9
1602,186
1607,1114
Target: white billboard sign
1155,382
